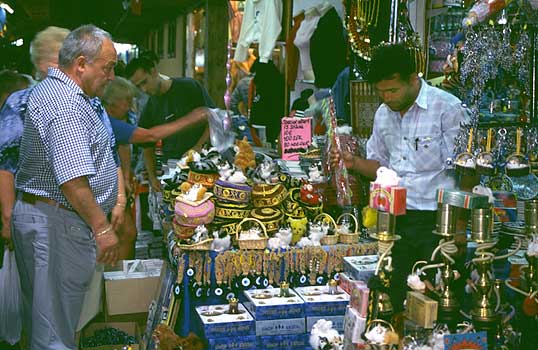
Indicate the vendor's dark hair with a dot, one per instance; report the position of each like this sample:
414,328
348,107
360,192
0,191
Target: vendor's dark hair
138,63
388,60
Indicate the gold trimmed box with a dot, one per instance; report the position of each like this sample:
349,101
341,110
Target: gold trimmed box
232,193
206,179
230,211
270,217
265,195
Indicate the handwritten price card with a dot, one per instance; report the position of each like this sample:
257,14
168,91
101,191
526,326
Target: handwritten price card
296,134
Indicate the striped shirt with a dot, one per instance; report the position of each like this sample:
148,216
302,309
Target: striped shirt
418,144
65,138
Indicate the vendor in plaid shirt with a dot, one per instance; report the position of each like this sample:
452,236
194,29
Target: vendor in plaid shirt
413,134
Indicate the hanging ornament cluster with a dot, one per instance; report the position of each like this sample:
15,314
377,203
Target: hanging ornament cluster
362,17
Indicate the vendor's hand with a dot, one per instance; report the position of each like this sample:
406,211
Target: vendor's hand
347,157
107,248
5,235
117,217
155,185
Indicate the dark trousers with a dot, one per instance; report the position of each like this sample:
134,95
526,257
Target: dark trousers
417,243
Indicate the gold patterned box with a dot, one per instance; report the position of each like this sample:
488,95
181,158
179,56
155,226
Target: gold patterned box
232,193
270,217
265,195
228,211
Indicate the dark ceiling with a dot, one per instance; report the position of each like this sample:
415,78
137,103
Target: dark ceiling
115,16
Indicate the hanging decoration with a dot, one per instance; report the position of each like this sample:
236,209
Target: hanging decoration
227,121
362,17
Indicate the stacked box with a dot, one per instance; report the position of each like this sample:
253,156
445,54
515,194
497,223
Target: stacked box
282,342
225,331
354,326
360,268
317,301
279,321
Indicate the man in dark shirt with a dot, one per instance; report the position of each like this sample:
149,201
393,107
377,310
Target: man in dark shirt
170,99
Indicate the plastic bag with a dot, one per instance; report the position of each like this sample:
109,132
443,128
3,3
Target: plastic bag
221,136
10,300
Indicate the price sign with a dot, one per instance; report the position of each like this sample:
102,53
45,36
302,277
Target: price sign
296,136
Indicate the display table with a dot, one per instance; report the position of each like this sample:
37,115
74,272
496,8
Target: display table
201,288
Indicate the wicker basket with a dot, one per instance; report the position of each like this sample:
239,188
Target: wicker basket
203,245
259,243
380,346
348,238
329,239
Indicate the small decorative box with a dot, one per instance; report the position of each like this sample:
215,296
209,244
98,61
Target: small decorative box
319,303
360,268
248,342
266,304
281,342
189,215
232,193
268,195
354,327
462,199
203,172
389,199
421,309
230,211
358,293
218,323
338,322
271,218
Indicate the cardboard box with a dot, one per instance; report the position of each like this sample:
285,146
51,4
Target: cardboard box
360,268
421,309
281,326
338,322
358,291
248,342
388,199
132,292
317,302
130,328
281,342
265,304
217,323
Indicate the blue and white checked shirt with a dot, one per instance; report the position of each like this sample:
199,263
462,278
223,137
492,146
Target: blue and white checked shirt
418,145
11,126
65,138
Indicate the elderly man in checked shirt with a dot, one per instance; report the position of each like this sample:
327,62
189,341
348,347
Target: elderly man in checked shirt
67,183
413,134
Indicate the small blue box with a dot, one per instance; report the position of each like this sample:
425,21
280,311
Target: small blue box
319,303
338,322
217,323
265,304
281,326
360,268
281,342
233,343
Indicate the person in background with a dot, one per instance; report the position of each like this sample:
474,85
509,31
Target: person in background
239,100
118,98
11,123
11,81
414,133
67,184
170,100
301,104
